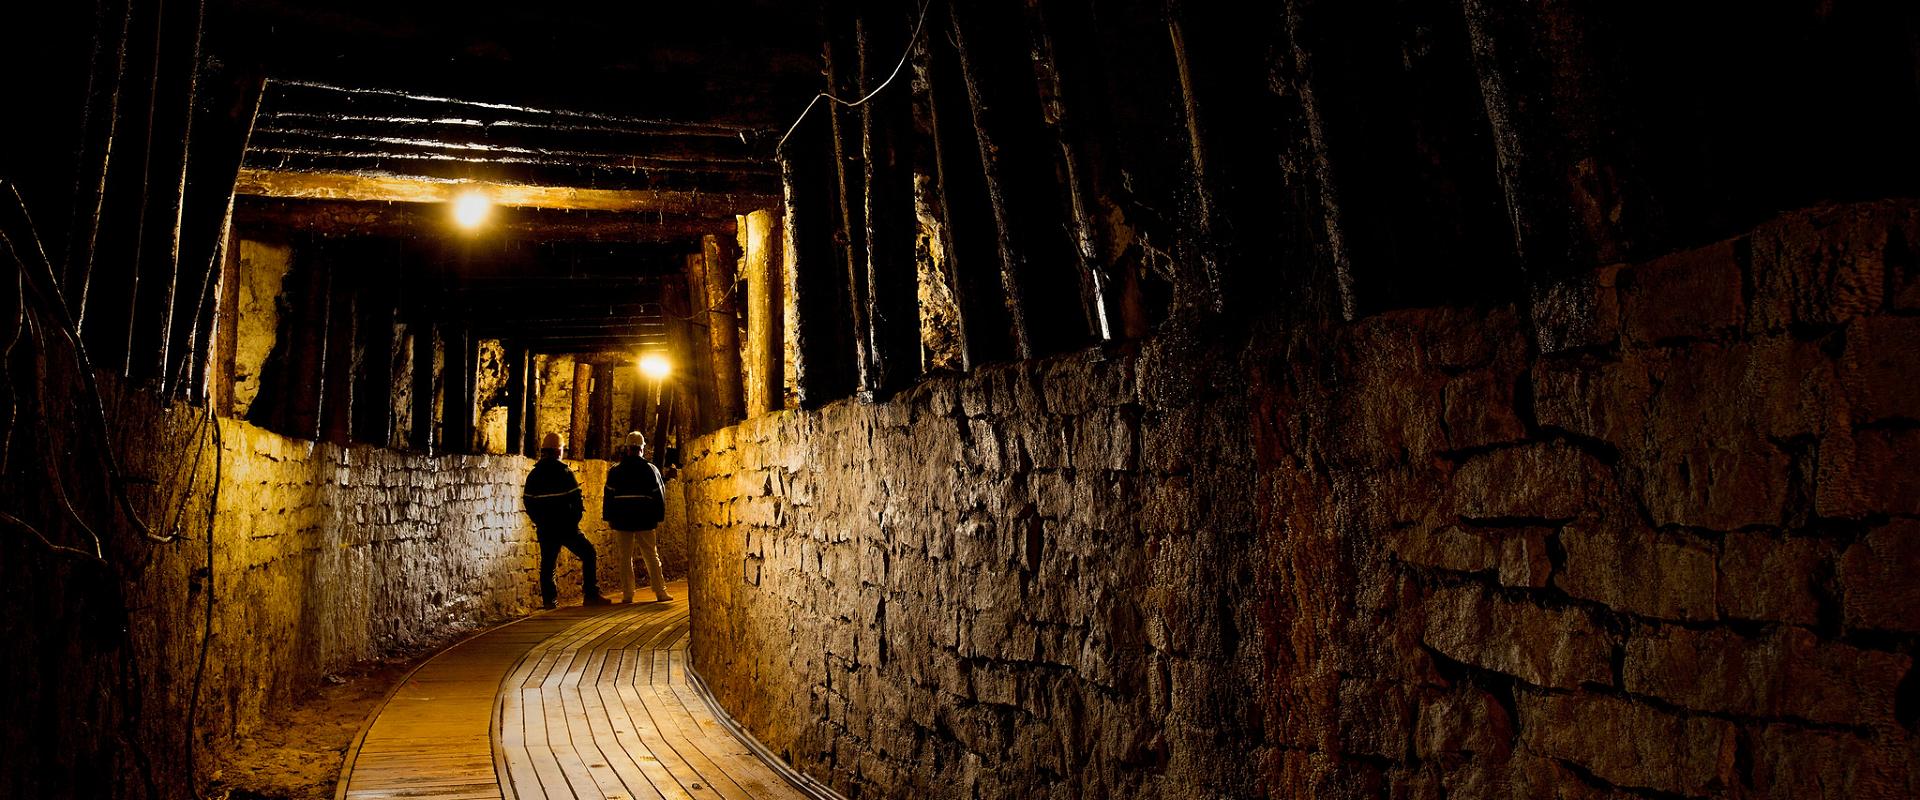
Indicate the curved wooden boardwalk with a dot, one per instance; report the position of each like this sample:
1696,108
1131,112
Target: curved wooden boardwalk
574,704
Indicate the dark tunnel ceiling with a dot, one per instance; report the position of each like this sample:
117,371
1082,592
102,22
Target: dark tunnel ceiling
750,63
608,95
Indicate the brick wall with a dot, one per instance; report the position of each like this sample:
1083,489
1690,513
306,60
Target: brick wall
1655,535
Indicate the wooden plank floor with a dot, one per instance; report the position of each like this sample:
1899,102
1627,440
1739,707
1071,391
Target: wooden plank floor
574,704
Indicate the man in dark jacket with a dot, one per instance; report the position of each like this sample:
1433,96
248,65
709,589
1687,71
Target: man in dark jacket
552,498
633,506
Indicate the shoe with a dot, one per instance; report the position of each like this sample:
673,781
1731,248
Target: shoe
626,599
595,600
548,605
663,597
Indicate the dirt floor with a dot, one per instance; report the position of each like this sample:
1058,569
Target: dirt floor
296,754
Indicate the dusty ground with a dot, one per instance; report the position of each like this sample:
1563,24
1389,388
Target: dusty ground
296,754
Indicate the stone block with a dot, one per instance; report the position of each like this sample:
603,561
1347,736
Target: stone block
1882,360
1451,548
1766,577
1524,561
1791,763
1556,648
1633,569
1374,718
1577,312
1630,744
1478,410
1545,480
1789,673
1869,472
1604,400
1820,266
1463,721
1692,294
1879,578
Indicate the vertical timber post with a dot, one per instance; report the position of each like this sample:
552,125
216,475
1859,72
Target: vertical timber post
582,418
517,417
892,290
337,408
819,327
764,374
723,327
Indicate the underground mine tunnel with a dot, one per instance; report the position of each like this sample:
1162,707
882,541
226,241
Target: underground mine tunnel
1050,398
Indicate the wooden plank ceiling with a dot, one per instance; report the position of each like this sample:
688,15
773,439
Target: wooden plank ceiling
614,134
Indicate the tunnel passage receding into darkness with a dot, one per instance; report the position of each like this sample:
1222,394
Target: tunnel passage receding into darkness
1061,398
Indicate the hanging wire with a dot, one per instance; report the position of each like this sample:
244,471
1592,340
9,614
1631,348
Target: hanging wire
31,255
911,41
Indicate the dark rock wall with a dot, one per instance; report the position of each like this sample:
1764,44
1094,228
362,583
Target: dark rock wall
1652,536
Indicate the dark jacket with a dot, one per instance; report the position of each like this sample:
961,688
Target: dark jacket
552,497
633,499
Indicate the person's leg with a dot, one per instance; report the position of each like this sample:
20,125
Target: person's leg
589,563
623,541
650,555
549,553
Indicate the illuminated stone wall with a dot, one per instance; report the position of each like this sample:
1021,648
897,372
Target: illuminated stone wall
323,556
1656,535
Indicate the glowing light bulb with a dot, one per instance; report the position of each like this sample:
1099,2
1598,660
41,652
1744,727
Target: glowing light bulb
471,208
655,366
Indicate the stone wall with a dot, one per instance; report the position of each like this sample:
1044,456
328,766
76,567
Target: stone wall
322,556
1655,535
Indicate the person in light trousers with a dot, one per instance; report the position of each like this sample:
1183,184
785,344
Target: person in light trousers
633,506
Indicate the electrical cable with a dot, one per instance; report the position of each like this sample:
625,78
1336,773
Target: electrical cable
38,271
911,41
206,632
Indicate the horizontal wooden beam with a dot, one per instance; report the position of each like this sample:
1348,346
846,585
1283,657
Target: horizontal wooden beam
390,188
419,220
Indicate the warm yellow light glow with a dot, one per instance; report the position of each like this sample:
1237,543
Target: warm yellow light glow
471,208
655,366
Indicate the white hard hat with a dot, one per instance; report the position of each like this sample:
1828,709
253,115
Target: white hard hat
636,439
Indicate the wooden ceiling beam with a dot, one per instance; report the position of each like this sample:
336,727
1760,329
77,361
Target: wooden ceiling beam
376,187
405,220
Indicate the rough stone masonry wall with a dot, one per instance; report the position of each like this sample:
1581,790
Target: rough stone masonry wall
323,556
1655,536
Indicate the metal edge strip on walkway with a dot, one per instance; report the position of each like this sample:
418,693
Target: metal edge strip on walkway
801,782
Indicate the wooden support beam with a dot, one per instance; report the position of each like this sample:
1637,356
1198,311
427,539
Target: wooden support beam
410,189
373,376
157,273
892,274
687,356
336,414
425,221
518,416
841,57
822,332
426,351
600,431
1059,68
222,126
582,418
972,243
107,280
699,356
723,327
305,376
226,327
1036,256
457,381
764,377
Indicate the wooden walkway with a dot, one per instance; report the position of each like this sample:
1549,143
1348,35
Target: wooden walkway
573,704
